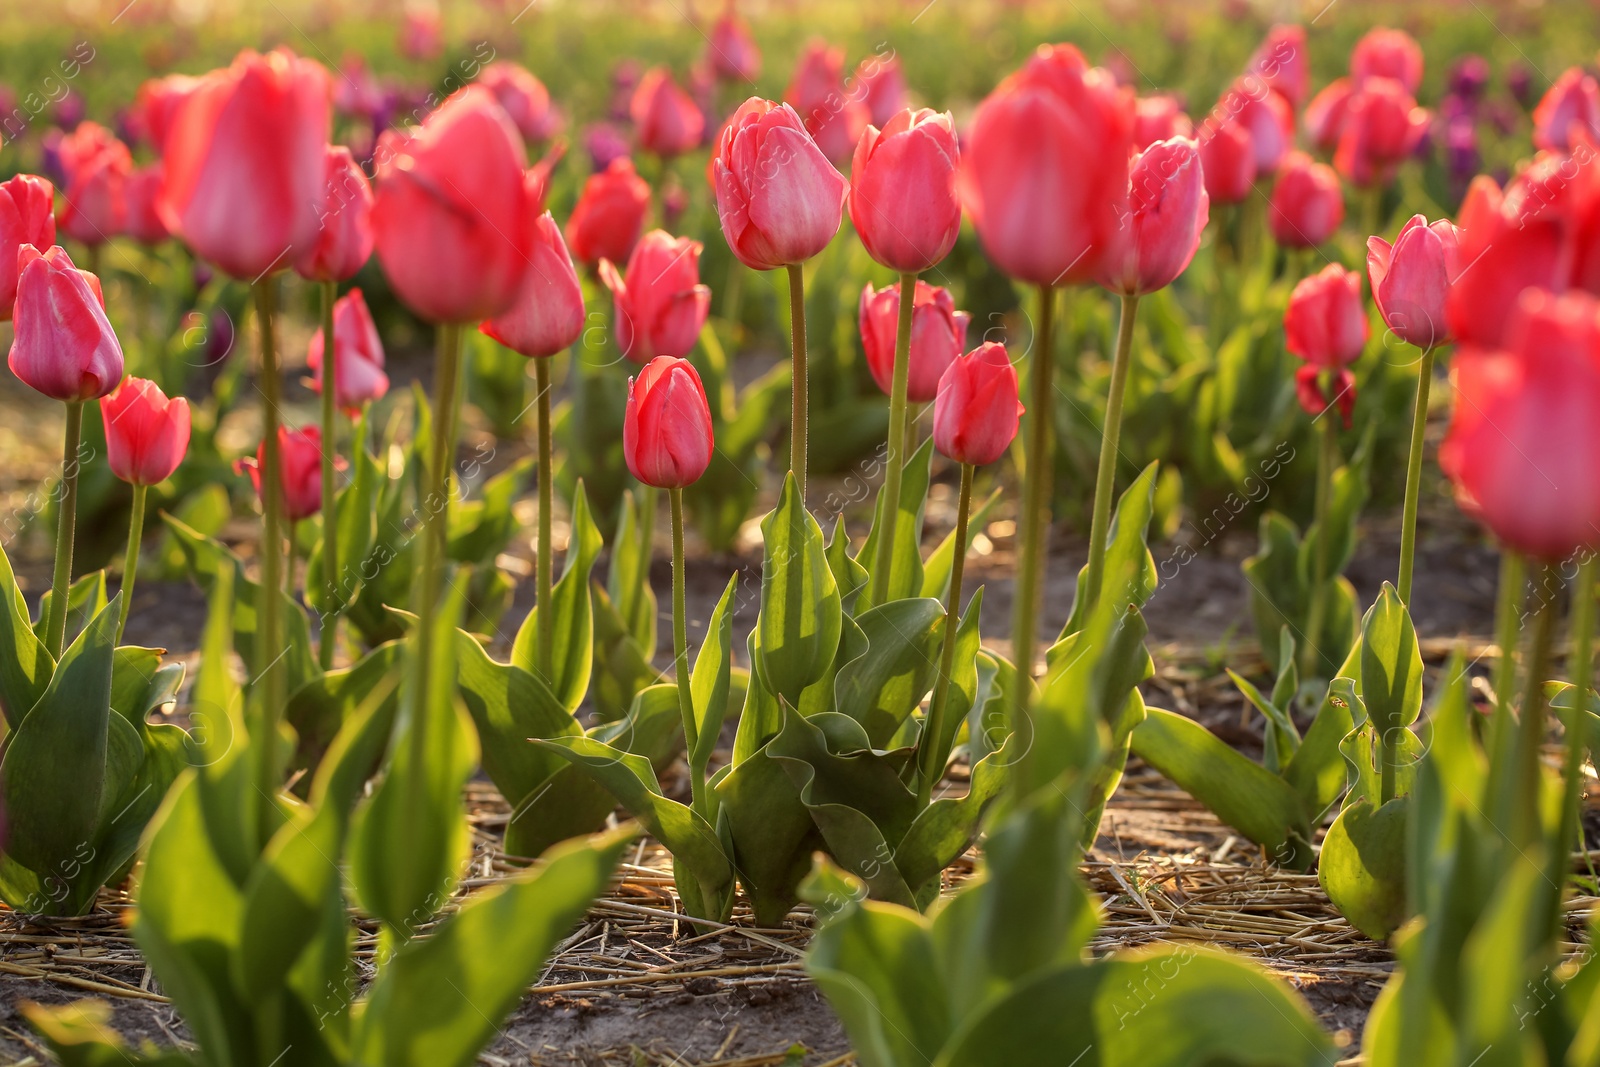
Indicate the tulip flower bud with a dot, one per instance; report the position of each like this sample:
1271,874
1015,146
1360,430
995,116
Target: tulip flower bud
779,199
1572,102
902,190
245,163
1523,448
938,334
1283,63
146,434
548,314
1227,161
1326,113
1382,128
1268,117
609,214
1043,216
94,206
344,242
1167,211
524,98
666,430
661,305
300,459
144,222
1307,203
358,354
1411,279
976,413
731,50
1159,118
27,217
156,106
1325,324
834,115
1513,242
63,344
1386,53
881,81
450,212
668,121
1314,399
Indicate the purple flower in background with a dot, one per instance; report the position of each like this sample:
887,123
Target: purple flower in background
69,110
50,163
624,79
1468,77
1519,79
1461,155
201,275
219,338
604,143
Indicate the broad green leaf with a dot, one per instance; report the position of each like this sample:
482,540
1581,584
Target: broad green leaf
1391,664
801,617
850,576
936,570
319,709
285,898
628,578
25,664
942,831
86,598
1280,735
1363,863
509,706
887,678
1129,575
356,507
1242,793
80,1034
620,666
905,566
771,833
570,615
709,682
964,681
1316,771
441,1000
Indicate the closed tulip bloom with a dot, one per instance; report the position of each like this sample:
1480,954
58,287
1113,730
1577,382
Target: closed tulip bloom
300,460
834,115
882,84
548,314
421,32
1573,101
27,217
1523,448
1325,324
94,206
344,243
731,49
1283,63
524,97
1268,117
146,434
666,429
157,103
1167,212
661,304
63,345
976,413
1227,160
1159,118
245,163
938,334
1386,53
450,216
668,121
609,215
144,221
1382,129
1326,113
902,190
1411,279
1042,215
1512,246
1307,203
1315,397
358,354
779,199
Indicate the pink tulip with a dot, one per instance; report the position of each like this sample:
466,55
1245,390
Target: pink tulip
902,190
245,163
1386,53
1042,215
668,121
1316,398
63,345
94,206
144,221
421,32
977,412
732,50
1268,117
26,218
300,457
450,214
344,244
666,429
1283,63
609,215
1411,279
525,99
548,314
779,199
1381,130
1307,203
1167,211
1227,160
1512,243
1326,114
661,305
1159,118
882,85
358,355
938,334
1325,324
156,106
146,434
834,114
1573,101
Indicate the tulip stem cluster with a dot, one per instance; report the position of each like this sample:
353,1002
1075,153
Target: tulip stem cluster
269,633
1110,434
798,392
330,523
1408,522
895,458
680,651
931,748
130,563
544,633
1035,505
1327,459
66,521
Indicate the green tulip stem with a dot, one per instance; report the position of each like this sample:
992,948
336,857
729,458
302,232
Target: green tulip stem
1408,521
647,536
269,637
895,457
544,625
1327,459
66,521
797,390
1579,668
680,652
931,749
289,559
1507,623
1105,481
1034,526
130,562
1530,736
329,637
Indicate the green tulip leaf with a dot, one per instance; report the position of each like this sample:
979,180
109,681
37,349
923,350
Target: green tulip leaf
86,598
1391,664
936,570
509,705
887,676
770,832
570,613
801,617
905,567
319,709
25,664
1363,863
710,680
356,508
80,1034
849,575
943,830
